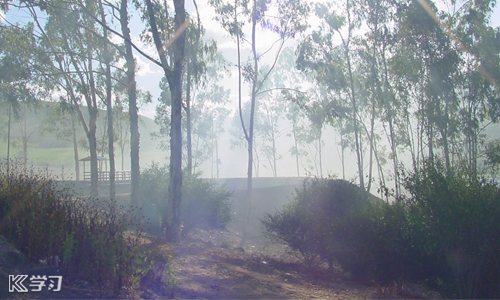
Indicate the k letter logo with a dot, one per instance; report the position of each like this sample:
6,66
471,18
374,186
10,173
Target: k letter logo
16,283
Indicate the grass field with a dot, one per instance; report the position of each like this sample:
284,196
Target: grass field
46,151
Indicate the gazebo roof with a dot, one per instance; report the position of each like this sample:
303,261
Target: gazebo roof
99,158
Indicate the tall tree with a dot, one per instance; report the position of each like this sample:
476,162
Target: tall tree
61,120
290,20
132,106
21,68
74,53
107,57
173,72
334,64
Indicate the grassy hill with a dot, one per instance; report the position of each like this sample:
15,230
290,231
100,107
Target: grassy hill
46,150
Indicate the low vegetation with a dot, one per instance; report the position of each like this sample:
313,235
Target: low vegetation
91,239
204,204
444,231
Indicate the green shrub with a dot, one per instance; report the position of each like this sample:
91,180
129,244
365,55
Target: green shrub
445,230
395,253
454,219
204,204
328,220
335,221
44,220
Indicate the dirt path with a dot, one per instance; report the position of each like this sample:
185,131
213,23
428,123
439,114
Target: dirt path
206,270
209,265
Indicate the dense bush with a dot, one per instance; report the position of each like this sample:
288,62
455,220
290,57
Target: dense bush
327,220
454,219
445,230
44,220
204,204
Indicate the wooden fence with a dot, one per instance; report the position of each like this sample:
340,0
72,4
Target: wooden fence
104,175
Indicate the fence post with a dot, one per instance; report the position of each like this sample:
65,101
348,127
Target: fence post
62,173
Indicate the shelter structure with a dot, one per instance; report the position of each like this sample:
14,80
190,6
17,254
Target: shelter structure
102,170
102,175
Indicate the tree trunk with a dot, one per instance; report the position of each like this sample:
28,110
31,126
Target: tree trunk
175,192
24,132
175,186
217,156
8,139
174,78
251,125
75,147
109,108
275,171
89,93
94,175
93,112
320,134
355,123
132,109
188,121
296,147
352,95
372,119
342,148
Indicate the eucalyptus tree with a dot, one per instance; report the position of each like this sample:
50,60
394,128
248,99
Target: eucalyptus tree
132,104
334,63
73,52
21,66
492,152
204,66
165,33
290,18
271,114
374,93
236,140
130,82
425,42
219,115
122,120
270,109
107,60
209,115
294,115
62,121
203,98
291,86
478,44
208,101
388,102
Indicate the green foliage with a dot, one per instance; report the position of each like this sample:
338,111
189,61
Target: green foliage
204,204
43,220
327,220
444,230
454,219
493,154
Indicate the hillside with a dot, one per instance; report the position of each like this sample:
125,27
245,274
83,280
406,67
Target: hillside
45,149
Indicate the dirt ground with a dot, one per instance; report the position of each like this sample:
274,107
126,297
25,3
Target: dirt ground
210,265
